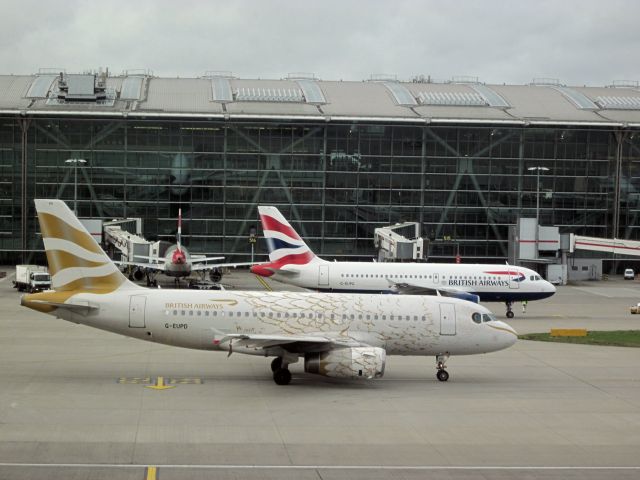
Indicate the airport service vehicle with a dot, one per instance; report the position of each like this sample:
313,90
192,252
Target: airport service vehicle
179,263
32,278
293,262
629,274
337,335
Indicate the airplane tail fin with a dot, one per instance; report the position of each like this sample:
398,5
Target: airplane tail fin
284,244
179,234
76,261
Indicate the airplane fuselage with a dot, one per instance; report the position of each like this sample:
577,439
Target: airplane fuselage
177,262
402,325
503,283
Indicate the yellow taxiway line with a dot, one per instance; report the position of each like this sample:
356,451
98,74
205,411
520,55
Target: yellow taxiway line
264,283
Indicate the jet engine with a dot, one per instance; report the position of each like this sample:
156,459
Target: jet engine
215,275
358,362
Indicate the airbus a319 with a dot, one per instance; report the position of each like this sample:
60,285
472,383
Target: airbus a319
336,335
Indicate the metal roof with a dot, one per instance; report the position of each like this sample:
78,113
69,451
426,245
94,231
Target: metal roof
312,99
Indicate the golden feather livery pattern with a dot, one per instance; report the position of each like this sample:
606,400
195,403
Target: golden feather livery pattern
76,261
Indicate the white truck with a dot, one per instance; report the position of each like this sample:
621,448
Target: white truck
32,278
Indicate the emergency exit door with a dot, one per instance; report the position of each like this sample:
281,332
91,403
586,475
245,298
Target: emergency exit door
447,319
137,305
323,275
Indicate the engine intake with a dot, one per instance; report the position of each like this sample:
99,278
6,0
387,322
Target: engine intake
358,362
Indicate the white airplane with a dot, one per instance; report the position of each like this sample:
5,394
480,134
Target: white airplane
178,262
292,261
337,335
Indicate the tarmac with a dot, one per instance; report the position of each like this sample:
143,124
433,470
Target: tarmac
75,403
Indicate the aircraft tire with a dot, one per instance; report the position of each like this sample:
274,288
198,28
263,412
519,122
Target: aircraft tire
276,364
442,375
282,376
509,314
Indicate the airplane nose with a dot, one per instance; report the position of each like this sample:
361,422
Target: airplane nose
508,335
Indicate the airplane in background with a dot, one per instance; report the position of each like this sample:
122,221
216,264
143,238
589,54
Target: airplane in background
292,261
177,262
337,335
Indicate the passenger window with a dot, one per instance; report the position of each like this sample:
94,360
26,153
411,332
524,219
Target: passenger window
199,313
476,317
182,313
231,314
175,312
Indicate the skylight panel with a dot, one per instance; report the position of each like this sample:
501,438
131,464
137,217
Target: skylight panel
619,103
578,99
452,99
251,94
40,86
492,98
131,88
401,95
312,91
221,89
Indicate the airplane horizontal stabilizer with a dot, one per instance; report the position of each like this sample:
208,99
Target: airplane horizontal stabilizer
198,267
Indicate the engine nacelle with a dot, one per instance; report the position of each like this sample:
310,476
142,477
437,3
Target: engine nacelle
358,362
138,274
215,275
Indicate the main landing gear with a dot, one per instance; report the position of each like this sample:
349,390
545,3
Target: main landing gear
509,311
281,373
442,374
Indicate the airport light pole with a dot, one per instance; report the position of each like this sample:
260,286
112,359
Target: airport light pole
75,162
538,170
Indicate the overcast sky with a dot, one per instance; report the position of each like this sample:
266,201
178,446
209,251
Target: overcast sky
500,41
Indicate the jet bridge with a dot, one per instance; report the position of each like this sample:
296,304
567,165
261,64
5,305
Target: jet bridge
127,244
399,242
615,246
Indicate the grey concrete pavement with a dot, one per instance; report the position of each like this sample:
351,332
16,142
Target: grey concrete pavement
534,405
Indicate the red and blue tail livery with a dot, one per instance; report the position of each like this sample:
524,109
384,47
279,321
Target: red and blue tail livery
283,242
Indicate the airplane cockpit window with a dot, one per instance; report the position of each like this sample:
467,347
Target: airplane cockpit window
538,277
476,317
488,317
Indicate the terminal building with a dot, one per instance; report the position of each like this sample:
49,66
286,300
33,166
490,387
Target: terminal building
464,159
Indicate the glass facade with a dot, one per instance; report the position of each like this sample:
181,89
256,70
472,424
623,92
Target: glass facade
336,183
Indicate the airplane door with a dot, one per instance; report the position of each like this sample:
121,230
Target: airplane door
512,280
137,305
447,319
323,275
435,278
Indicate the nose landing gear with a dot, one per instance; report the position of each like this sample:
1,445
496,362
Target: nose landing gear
509,311
442,374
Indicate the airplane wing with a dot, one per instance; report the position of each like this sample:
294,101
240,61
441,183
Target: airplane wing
292,343
151,259
151,266
198,258
410,289
210,266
